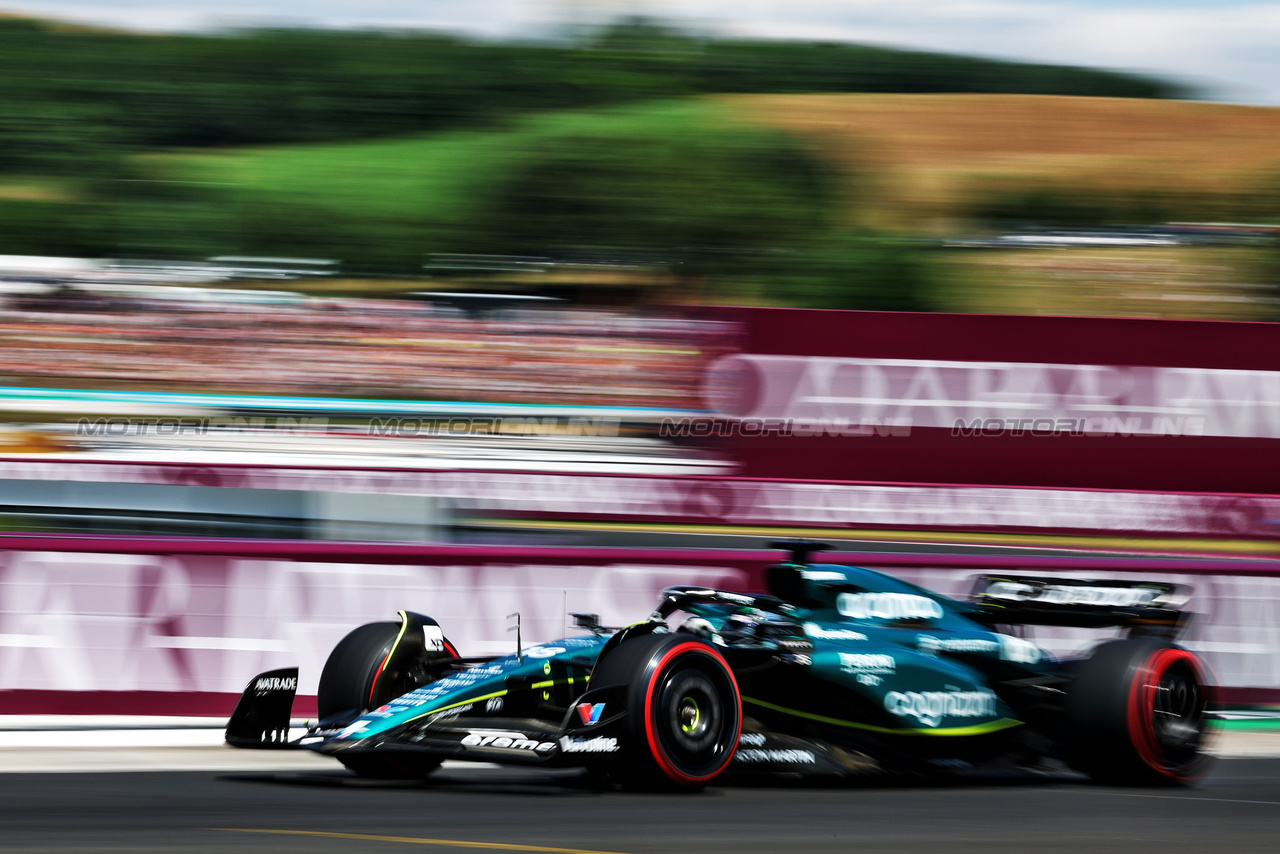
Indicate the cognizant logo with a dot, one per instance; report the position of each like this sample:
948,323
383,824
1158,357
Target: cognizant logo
930,707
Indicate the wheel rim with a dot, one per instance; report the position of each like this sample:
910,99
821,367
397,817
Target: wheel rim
1167,712
692,722
1177,713
692,717
692,707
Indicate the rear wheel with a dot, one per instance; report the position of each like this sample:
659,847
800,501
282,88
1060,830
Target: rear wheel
1137,711
683,710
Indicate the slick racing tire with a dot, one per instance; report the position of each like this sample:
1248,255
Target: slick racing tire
356,676
684,714
355,679
1137,714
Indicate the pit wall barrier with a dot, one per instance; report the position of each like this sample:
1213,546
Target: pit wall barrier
708,500
150,626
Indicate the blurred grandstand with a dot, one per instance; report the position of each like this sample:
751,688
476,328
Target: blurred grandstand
80,327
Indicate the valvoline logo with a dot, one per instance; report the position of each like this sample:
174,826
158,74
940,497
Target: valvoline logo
590,713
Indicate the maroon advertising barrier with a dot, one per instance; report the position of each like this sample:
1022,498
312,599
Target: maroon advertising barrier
154,626
1047,401
717,501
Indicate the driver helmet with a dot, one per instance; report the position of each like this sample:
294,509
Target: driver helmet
702,628
741,630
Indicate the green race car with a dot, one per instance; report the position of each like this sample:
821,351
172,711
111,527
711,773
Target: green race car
838,670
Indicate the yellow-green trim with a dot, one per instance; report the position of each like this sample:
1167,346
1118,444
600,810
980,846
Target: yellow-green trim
501,693
404,624
976,729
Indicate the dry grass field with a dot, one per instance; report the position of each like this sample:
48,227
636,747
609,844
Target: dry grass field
924,159
1192,282
929,153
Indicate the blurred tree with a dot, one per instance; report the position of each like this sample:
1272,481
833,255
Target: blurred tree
850,270
73,229
645,35
734,210
723,204
175,219
704,197
1083,204
78,98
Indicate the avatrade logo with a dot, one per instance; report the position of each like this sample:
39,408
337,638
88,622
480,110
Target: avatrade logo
274,683
590,713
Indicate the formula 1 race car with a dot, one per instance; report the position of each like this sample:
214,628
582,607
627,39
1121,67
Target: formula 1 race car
839,670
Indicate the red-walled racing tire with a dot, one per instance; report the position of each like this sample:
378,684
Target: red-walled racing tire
684,714
1137,714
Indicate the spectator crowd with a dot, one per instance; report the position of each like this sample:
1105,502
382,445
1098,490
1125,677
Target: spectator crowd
381,348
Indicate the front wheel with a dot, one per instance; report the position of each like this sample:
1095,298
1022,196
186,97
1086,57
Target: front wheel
354,680
371,666
684,714
1137,712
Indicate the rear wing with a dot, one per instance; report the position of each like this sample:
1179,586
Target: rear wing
1144,607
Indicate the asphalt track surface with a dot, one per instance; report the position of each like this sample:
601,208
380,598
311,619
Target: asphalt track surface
323,809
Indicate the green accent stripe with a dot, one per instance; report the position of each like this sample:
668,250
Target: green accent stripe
1247,725
976,729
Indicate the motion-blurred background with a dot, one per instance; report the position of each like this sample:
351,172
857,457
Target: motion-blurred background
630,163
558,289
